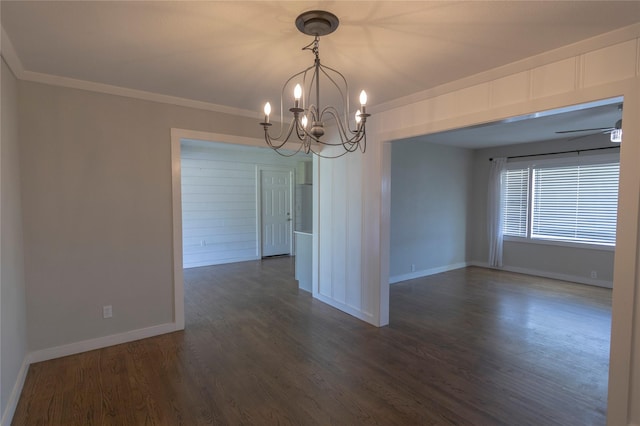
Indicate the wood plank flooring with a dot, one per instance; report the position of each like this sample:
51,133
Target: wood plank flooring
466,347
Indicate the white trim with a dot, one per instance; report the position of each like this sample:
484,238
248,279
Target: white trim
15,64
176,200
427,272
216,137
109,89
576,49
355,312
546,274
559,243
101,342
223,262
12,403
10,56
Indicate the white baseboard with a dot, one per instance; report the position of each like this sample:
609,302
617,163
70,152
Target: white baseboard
75,348
546,274
348,309
12,403
221,262
101,342
426,272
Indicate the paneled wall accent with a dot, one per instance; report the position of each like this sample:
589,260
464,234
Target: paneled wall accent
219,211
613,63
339,281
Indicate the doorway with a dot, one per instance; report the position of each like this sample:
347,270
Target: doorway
276,201
453,178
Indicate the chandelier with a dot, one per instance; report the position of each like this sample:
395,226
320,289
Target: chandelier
307,126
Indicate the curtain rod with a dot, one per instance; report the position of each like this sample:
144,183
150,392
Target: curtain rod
562,152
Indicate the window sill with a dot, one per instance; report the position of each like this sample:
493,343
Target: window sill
558,243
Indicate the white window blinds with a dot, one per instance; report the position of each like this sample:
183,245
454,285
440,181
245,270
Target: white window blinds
516,199
576,203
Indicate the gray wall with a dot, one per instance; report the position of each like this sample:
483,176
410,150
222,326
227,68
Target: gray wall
438,214
430,200
13,319
556,261
96,175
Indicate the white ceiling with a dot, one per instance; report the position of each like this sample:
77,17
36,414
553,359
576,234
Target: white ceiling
238,54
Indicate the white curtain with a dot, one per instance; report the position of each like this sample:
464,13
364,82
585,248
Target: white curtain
494,211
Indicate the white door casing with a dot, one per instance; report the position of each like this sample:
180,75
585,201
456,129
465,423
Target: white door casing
276,212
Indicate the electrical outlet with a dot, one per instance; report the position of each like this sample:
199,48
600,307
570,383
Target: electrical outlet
413,267
594,274
107,311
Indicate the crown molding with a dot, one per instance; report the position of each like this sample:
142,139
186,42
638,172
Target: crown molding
15,64
9,54
571,50
73,83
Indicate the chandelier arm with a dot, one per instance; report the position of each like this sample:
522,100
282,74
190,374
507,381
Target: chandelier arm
357,135
280,134
270,140
319,154
343,95
341,130
279,147
303,73
288,155
313,111
308,86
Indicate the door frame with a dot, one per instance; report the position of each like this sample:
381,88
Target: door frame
292,174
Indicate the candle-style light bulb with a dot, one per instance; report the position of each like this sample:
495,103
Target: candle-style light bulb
363,98
358,118
304,121
297,94
267,111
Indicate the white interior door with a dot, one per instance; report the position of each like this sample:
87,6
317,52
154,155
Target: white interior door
276,212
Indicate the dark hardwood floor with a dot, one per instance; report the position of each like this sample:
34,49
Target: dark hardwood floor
470,346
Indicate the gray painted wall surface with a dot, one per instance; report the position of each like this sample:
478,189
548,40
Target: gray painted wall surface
96,175
13,334
569,261
430,202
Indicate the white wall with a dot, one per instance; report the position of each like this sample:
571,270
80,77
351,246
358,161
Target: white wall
430,203
13,319
338,228
219,183
97,210
569,263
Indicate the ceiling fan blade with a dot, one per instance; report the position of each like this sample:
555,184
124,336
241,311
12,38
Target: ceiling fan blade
584,136
587,130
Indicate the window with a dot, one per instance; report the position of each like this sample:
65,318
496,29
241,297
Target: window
516,200
570,203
